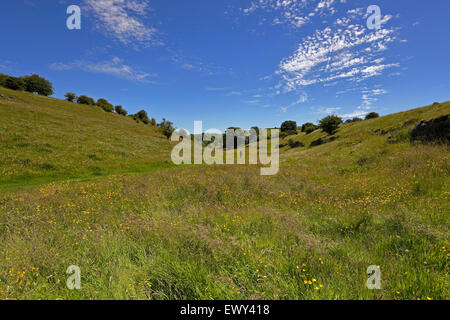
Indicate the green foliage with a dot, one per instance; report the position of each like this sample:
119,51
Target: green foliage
14,83
295,144
330,124
70,96
37,84
120,110
85,100
372,115
33,83
142,116
309,127
105,105
167,128
355,119
289,126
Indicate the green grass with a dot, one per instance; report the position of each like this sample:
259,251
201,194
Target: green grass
223,232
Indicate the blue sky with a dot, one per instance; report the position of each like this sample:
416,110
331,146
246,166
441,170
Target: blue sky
235,62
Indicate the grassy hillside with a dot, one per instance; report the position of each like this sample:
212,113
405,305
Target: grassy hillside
221,232
44,139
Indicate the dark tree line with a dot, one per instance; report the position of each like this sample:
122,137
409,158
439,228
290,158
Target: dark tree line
32,83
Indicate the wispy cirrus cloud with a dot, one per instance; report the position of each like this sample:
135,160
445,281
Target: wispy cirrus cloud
345,54
124,20
115,67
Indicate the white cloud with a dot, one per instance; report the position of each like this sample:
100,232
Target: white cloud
124,20
114,67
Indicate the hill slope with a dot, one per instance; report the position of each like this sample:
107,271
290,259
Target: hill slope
46,139
224,232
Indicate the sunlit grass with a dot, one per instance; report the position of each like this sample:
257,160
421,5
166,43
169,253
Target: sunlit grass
226,232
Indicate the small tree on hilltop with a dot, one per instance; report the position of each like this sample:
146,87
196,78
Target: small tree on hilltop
330,124
85,100
372,115
120,110
289,126
142,116
167,128
14,83
38,84
105,105
70,96
309,127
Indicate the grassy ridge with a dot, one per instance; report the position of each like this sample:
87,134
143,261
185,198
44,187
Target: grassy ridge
225,232
44,139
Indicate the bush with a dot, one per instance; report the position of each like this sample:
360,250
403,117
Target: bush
167,128
433,131
85,100
14,83
37,84
70,96
141,116
105,105
318,142
372,115
289,126
309,127
3,79
120,110
353,120
295,144
330,124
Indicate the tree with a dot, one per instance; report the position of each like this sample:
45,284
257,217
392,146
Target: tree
355,119
120,110
167,128
37,84
3,79
70,96
142,116
289,126
85,100
105,105
330,124
372,115
14,83
309,127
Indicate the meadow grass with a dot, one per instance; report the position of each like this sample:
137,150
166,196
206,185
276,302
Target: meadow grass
226,232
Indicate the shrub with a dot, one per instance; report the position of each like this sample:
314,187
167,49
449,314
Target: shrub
105,105
353,120
14,83
295,144
3,79
167,128
436,130
85,100
372,115
309,127
120,110
141,116
70,96
318,142
289,126
330,124
37,84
